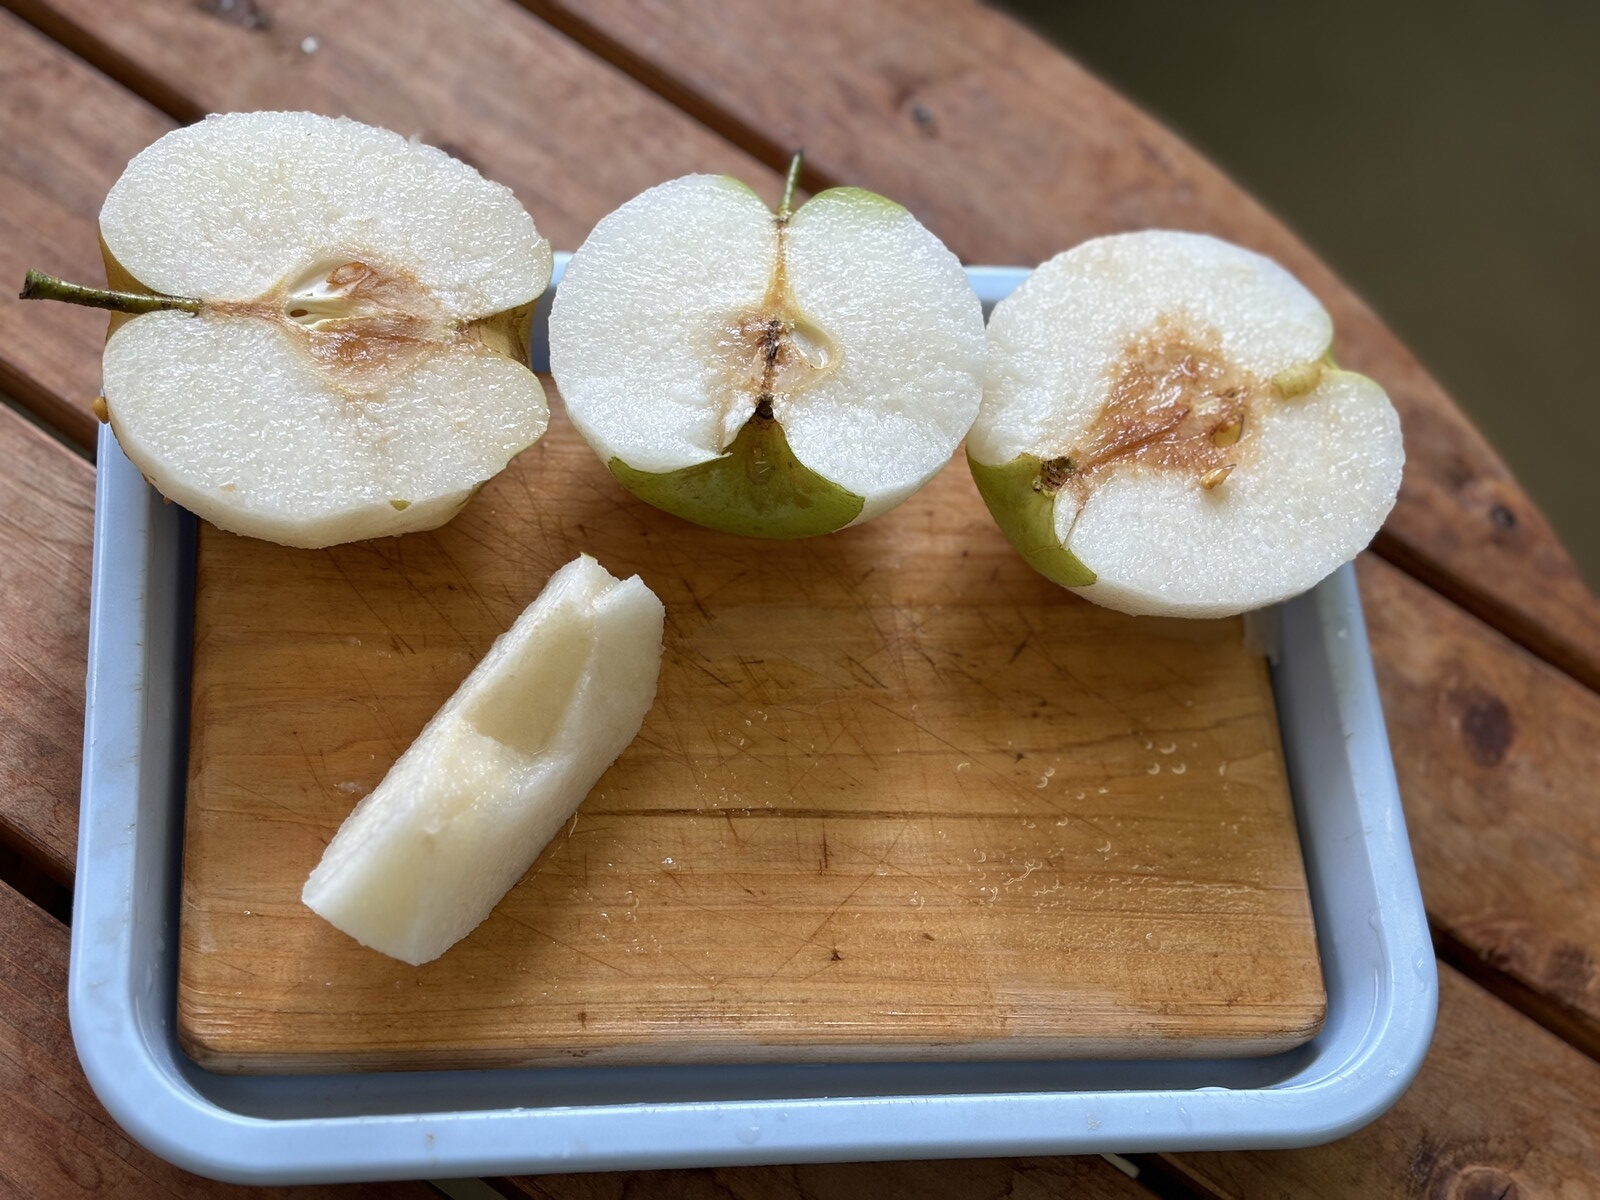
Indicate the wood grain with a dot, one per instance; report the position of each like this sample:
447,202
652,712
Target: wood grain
1498,756
572,135
1085,1178
1012,152
898,797
46,520
56,1142
57,160
1501,1108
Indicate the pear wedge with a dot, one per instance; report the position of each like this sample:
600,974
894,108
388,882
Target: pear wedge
463,813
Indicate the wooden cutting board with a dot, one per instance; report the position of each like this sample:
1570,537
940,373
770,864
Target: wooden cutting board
898,798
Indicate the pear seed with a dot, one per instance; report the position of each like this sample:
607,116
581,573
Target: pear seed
1215,476
1228,432
399,505
101,412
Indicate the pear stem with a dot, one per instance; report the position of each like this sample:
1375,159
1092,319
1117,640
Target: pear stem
790,183
39,286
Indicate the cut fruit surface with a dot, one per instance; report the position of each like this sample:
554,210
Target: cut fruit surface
464,812
234,206
1163,431
357,366
828,362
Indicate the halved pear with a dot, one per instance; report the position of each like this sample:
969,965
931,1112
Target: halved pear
340,346
774,374
463,813
1163,429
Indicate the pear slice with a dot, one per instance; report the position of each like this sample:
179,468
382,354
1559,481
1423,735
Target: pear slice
773,374
464,812
340,346
1163,429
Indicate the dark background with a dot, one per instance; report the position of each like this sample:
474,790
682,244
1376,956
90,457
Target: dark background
1443,158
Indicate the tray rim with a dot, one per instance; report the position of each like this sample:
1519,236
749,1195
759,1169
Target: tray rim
1378,963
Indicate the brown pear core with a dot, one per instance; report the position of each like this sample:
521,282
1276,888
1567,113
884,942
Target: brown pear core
1176,404
354,315
769,350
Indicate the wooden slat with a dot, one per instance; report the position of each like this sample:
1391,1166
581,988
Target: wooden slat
46,507
65,132
966,1179
1501,1109
1498,756
571,134
56,1142
1012,152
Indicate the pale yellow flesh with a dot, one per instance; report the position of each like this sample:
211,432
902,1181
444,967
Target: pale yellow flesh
500,768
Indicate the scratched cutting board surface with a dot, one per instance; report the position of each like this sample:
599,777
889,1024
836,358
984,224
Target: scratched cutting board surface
898,798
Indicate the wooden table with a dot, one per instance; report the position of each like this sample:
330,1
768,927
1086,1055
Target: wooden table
1487,640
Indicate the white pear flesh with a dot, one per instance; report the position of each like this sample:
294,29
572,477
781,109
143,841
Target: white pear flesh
655,335
497,772
1176,509
358,366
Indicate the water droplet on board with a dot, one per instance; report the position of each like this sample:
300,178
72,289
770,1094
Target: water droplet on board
1179,768
1169,748
1153,769
749,1134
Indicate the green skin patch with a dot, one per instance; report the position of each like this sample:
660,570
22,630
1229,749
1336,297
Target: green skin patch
1025,512
757,488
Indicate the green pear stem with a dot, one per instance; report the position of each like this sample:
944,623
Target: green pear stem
790,183
39,286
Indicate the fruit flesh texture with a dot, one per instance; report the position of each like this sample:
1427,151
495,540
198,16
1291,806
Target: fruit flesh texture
464,812
358,366
837,353
1147,376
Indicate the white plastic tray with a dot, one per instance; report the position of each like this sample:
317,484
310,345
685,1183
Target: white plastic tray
1376,956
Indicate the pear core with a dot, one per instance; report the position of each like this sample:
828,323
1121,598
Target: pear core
358,316
769,351
1176,403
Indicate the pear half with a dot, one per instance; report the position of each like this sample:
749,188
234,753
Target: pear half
463,813
773,374
1163,429
345,351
